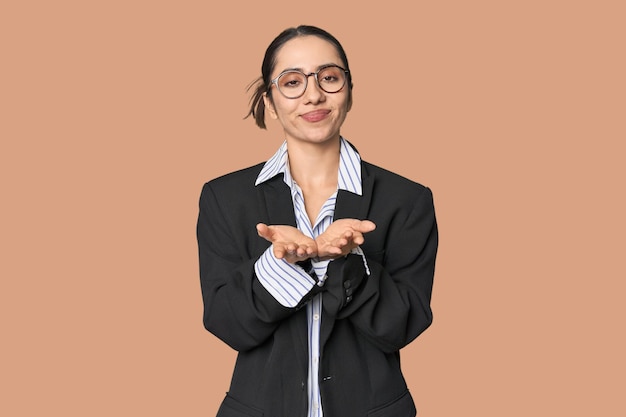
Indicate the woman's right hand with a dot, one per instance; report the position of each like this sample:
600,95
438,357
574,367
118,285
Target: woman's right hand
288,242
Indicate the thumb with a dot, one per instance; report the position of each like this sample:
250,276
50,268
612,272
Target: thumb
263,230
365,226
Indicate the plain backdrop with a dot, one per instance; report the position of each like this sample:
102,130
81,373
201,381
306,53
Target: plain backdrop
114,113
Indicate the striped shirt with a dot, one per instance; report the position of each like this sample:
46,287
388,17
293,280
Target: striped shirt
289,283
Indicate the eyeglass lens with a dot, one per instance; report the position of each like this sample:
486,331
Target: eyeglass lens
292,84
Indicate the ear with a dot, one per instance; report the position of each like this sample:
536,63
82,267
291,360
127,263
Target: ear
269,106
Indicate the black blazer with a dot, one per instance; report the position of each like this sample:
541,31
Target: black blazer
360,340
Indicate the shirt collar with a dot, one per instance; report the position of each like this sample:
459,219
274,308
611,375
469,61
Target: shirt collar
349,168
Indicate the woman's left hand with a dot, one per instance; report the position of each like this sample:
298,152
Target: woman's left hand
341,237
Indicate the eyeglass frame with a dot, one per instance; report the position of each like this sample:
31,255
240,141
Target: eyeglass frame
306,80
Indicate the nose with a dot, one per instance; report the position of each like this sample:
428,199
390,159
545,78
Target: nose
313,92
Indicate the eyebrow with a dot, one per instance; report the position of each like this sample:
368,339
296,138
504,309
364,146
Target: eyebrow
329,64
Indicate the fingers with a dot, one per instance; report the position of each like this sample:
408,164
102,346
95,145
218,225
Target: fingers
352,237
293,253
358,226
288,242
264,231
342,236
358,240
366,226
362,226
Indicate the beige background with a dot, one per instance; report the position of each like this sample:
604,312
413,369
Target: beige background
114,113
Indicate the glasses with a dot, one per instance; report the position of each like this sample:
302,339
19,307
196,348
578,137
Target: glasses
293,83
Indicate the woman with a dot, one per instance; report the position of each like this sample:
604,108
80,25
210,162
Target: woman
316,266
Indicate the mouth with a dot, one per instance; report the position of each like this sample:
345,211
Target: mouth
315,115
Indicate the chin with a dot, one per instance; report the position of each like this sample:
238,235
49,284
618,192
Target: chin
323,138
323,135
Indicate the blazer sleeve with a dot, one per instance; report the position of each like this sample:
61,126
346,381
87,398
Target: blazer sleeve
237,308
391,306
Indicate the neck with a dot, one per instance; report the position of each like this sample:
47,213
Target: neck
314,164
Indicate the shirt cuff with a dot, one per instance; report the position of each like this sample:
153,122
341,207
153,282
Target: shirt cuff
287,283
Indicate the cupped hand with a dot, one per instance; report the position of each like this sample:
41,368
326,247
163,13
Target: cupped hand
288,242
341,237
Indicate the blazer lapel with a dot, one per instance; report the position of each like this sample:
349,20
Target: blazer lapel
277,198
353,206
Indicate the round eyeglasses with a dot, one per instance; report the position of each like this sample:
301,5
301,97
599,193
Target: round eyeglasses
293,83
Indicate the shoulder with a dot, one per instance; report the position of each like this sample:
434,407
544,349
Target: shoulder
233,189
393,194
386,181
235,181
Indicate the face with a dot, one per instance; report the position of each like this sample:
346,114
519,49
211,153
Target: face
316,116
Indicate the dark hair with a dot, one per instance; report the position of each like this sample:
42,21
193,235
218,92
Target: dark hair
257,106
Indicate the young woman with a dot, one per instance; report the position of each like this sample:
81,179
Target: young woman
316,266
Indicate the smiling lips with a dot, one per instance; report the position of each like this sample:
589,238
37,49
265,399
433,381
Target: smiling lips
315,115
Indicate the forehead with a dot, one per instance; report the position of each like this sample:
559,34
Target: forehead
306,53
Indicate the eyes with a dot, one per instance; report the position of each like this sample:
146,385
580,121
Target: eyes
329,79
326,75
291,79
293,83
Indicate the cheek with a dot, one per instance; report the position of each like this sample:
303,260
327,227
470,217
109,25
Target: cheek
285,109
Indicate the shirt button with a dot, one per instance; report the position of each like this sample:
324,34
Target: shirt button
315,359
316,317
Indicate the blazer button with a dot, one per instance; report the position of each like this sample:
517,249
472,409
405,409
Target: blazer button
348,299
347,284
